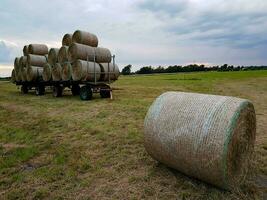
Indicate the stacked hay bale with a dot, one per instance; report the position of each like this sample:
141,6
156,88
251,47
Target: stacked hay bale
78,59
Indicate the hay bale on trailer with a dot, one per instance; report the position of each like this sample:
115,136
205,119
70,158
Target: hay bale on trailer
204,136
63,54
34,73
26,50
36,60
23,61
56,72
16,63
23,73
67,39
53,56
47,72
109,68
84,71
79,51
38,49
13,76
86,38
66,71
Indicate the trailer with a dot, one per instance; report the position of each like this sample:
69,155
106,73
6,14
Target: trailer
85,89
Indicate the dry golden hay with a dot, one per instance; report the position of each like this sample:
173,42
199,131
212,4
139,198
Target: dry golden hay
208,137
66,71
63,54
26,50
109,71
85,71
34,73
86,38
53,56
47,72
56,72
67,39
83,52
36,60
38,49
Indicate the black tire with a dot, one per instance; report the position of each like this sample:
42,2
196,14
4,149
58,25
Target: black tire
105,93
57,91
40,90
86,93
75,90
24,89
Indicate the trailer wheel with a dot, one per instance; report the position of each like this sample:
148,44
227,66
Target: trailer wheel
86,93
40,90
75,90
57,91
105,93
24,89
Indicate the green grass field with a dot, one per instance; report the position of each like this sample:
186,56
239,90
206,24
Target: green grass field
65,148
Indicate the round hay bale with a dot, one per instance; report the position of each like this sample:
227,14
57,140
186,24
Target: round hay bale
111,69
66,71
63,54
84,71
86,38
38,49
16,63
13,76
34,73
208,137
84,52
23,61
23,74
56,72
67,39
26,50
36,60
47,72
17,75
53,56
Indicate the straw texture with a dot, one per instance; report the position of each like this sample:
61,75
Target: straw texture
84,71
67,39
82,52
56,72
66,71
53,56
36,60
111,69
23,73
204,136
16,63
38,49
47,72
83,37
34,73
63,54
23,61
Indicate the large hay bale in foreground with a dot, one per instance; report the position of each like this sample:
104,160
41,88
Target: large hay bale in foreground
26,50
66,71
53,56
67,39
109,68
34,73
83,52
47,72
83,37
63,54
23,73
23,61
84,71
38,49
204,136
36,60
56,72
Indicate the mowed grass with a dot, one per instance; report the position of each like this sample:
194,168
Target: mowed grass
65,148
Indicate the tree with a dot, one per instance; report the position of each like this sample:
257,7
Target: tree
126,70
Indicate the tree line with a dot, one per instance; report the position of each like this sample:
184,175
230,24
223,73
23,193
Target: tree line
127,70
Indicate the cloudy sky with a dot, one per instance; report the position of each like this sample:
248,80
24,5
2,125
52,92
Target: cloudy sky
148,32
